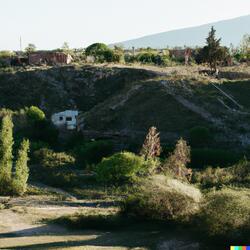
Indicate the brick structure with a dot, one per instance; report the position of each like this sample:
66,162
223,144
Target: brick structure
48,57
183,54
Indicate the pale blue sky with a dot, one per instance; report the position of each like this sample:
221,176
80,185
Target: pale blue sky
48,23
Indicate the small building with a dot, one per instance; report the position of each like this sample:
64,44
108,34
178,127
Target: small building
66,119
49,57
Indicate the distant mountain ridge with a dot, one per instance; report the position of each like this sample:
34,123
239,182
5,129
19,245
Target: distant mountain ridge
231,31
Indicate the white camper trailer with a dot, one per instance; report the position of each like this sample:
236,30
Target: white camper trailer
67,119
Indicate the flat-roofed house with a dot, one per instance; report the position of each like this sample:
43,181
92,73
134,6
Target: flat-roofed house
49,57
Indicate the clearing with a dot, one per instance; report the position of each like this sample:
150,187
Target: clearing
23,226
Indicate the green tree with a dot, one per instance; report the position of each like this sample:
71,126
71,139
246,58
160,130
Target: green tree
212,51
95,49
245,47
21,171
35,114
6,143
101,52
30,48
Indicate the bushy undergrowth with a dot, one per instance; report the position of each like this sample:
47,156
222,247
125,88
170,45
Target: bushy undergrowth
92,152
163,198
54,168
122,167
57,177
50,159
212,177
95,221
226,213
238,173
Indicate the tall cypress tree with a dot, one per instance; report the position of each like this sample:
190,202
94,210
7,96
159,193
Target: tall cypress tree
213,51
6,143
21,170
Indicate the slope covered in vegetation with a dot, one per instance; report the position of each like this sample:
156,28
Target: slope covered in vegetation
126,101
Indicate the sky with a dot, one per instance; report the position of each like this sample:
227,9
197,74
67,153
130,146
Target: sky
50,23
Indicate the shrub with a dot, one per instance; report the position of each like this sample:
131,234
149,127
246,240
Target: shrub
226,213
163,198
93,152
50,159
240,171
130,58
60,179
44,131
163,60
121,167
176,163
213,177
35,114
199,136
63,176
5,58
118,56
95,221
146,57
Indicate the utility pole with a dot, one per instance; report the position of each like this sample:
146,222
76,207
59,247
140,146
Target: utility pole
21,44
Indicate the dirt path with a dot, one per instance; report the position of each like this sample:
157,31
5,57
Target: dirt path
21,225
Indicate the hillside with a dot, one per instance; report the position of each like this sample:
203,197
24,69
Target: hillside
58,88
119,101
231,31
84,192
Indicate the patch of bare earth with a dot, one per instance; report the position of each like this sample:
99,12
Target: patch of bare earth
22,226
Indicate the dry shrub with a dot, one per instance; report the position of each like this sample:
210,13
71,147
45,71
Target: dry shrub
152,145
176,163
226,213
163,198
238,173
212,177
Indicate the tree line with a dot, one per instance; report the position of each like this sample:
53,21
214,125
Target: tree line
212,53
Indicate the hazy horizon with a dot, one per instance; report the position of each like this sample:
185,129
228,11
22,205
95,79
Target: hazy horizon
48,24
